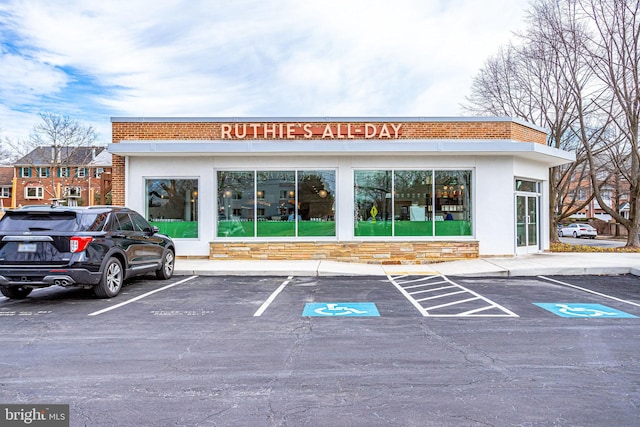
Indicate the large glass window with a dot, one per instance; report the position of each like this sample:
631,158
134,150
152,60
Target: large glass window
236,203
373,208
412,203
277,197
452,203
172,206
316,203
276,203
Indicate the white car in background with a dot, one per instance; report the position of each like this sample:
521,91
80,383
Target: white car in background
578,230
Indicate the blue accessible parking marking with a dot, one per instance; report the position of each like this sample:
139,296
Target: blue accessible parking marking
328,309
583,310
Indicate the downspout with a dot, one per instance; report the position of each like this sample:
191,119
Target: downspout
14,184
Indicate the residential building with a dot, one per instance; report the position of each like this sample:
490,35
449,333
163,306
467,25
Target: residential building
614,194
67,174
6,185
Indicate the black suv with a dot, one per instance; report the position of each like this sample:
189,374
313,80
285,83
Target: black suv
95,247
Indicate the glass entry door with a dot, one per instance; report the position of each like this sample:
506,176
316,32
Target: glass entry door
527,225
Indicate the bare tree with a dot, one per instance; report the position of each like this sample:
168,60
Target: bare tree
61,131
575,72
526,80
58,141
7,154
613,53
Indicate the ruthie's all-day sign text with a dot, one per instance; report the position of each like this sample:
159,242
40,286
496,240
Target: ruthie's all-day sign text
311,131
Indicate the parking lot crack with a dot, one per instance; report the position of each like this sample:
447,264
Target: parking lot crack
276,415
469,353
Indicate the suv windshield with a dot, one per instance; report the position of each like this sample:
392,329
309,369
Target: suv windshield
52,221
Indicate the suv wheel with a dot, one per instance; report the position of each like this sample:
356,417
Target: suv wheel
166,270
111,281
15,292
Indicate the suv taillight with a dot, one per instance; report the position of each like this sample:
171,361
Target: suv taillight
79,243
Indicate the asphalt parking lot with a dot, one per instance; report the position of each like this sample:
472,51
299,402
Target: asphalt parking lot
347,351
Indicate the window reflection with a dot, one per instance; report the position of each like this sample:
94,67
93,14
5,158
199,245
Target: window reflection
316,203
236,203
453,203
413,203
277,200
279,203
172,206
372,203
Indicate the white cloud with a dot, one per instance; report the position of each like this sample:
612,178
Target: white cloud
278,58
23,80
15,125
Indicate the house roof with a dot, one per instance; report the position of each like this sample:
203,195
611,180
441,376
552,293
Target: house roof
69,155
104,159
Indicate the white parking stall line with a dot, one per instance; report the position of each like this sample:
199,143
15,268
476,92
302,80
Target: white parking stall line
408,296
139,297
433,307
431,290
419,279
477,310
422,285
590,291
442,295
272,297
465,296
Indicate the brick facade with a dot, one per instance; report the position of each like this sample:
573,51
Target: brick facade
212,130
118,184
134,130
88,186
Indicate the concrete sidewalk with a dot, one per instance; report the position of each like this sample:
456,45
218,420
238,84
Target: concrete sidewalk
525,265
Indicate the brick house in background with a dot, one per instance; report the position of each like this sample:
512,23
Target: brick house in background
615,194
73,174
6,183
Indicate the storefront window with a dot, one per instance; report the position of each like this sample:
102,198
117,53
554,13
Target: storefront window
172,206
413,203
373,209
236,203
413,211
279,203
316,203
277,198
453,203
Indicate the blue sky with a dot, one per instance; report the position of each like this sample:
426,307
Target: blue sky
93,60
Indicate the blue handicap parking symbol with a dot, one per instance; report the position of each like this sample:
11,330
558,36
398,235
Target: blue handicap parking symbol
341,309
575,310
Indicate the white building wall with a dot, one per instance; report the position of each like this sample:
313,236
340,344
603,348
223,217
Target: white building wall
495,206
201,168
493,189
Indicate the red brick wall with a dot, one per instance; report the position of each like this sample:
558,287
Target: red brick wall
410,130
117,180
49,186
139,130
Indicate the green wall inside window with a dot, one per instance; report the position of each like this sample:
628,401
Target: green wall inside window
178,229
412,203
